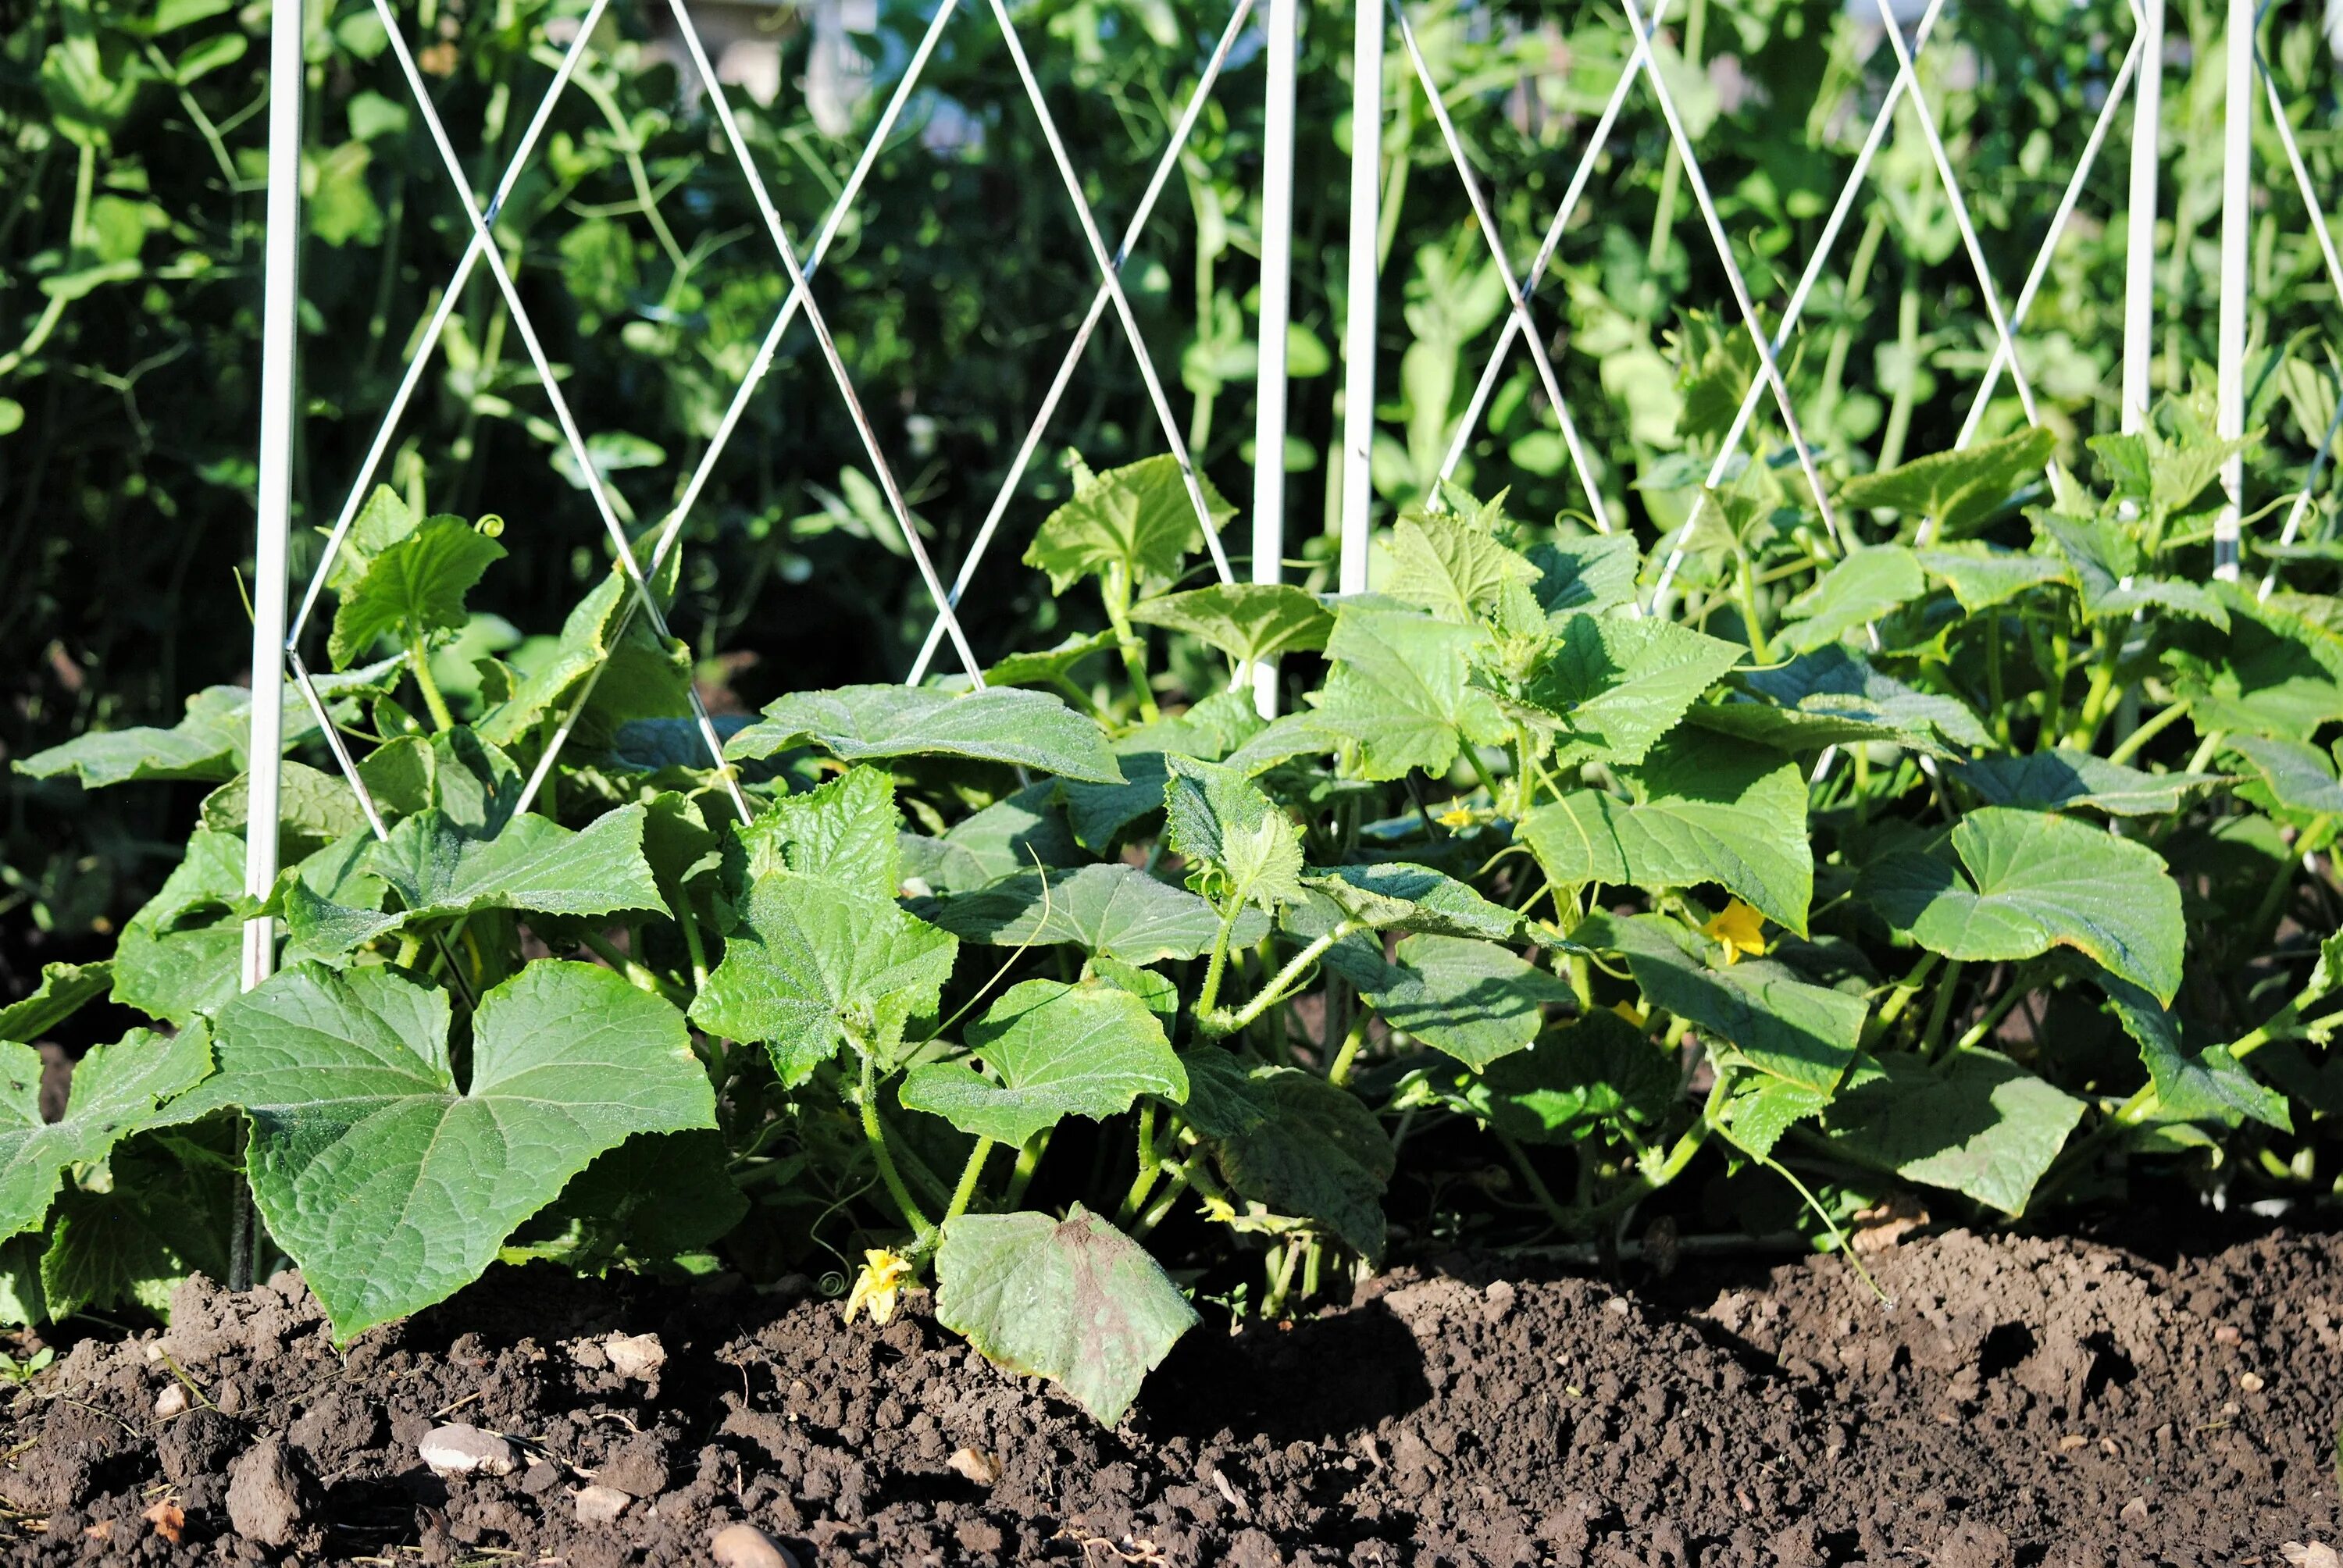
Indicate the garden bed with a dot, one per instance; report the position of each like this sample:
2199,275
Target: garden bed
2025,1402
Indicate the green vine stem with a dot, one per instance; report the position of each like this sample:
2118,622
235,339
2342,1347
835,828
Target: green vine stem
1213,1022
1029,1159
2166,717
875,1135
419,658
970,1174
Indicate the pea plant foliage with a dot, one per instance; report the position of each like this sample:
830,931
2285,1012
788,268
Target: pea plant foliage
1980,855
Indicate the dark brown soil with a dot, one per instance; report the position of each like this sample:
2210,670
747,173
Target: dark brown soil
2025,1402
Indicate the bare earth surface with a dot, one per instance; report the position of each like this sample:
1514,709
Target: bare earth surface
2025,1402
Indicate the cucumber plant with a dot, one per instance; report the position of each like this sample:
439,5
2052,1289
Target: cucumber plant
1780,885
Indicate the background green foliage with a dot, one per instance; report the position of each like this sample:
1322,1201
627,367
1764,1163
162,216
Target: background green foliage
130,224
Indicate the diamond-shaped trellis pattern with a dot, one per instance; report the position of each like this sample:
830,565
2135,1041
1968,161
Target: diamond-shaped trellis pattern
799,301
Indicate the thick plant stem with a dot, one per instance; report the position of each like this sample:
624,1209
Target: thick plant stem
970,1175
1897,999
1338,1071
419,658
2166,717
641,978
1215,968
1760,651
875,1136
1115,589
1214,1021
1029,1159
1941,1009
1150,1165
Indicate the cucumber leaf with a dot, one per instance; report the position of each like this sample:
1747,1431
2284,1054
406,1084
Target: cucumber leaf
1116,911
1832,697
1216,818
2209,1085
1450,566
1049,1051
209,742
1398,689
1785,1026
1074,1301
413,588
847,830
2036,881
1473,999
65,990
1866,587
1598,1069
1397,895
390,1184
1617,686
1957,489
998,724
1976,1122
116,1091
809,960
1705,810
2062,779
1316,1152
1137,519
1249,622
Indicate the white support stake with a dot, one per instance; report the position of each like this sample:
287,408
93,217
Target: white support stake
1276,287
279,347
1359,317
2237,218
2139,241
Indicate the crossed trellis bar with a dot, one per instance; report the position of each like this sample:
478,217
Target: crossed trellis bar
278,645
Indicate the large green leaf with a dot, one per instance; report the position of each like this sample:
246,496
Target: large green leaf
811,959
847,831
1015,833
2105,562
2207,1085
1982,576
115,1092
1452,566
438,871
1976,1122
1074,1301
1398,689
1705,810
1249,622
65,990
1049,1051
864,723
413,588
1215,817
641,678
1594,572
1115,909
2270,675
178,956
1316,1152
1137,519
1473,999
2061,779
1784,1025
208,743
392,1185
167,1211
1957,489
1616,686
313,808
1832,697
2296,777
2038,882
1595,1069
1866,587
1398,896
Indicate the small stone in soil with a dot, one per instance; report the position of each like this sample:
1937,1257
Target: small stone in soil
975,1464
264,1494
2251,1382
170,1402
600,1504
2135,1510
635,1356
460,1449
2313,1554
746,1546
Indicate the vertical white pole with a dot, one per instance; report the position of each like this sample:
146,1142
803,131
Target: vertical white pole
2140,255
2236,215
1276,287
280,328
1359,317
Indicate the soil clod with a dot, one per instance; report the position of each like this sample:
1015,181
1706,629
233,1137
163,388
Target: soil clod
264,1494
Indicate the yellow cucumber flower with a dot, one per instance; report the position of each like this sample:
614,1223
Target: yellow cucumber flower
883,1277
1741,929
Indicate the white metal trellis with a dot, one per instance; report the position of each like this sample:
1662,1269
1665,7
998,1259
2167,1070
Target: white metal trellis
276,648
